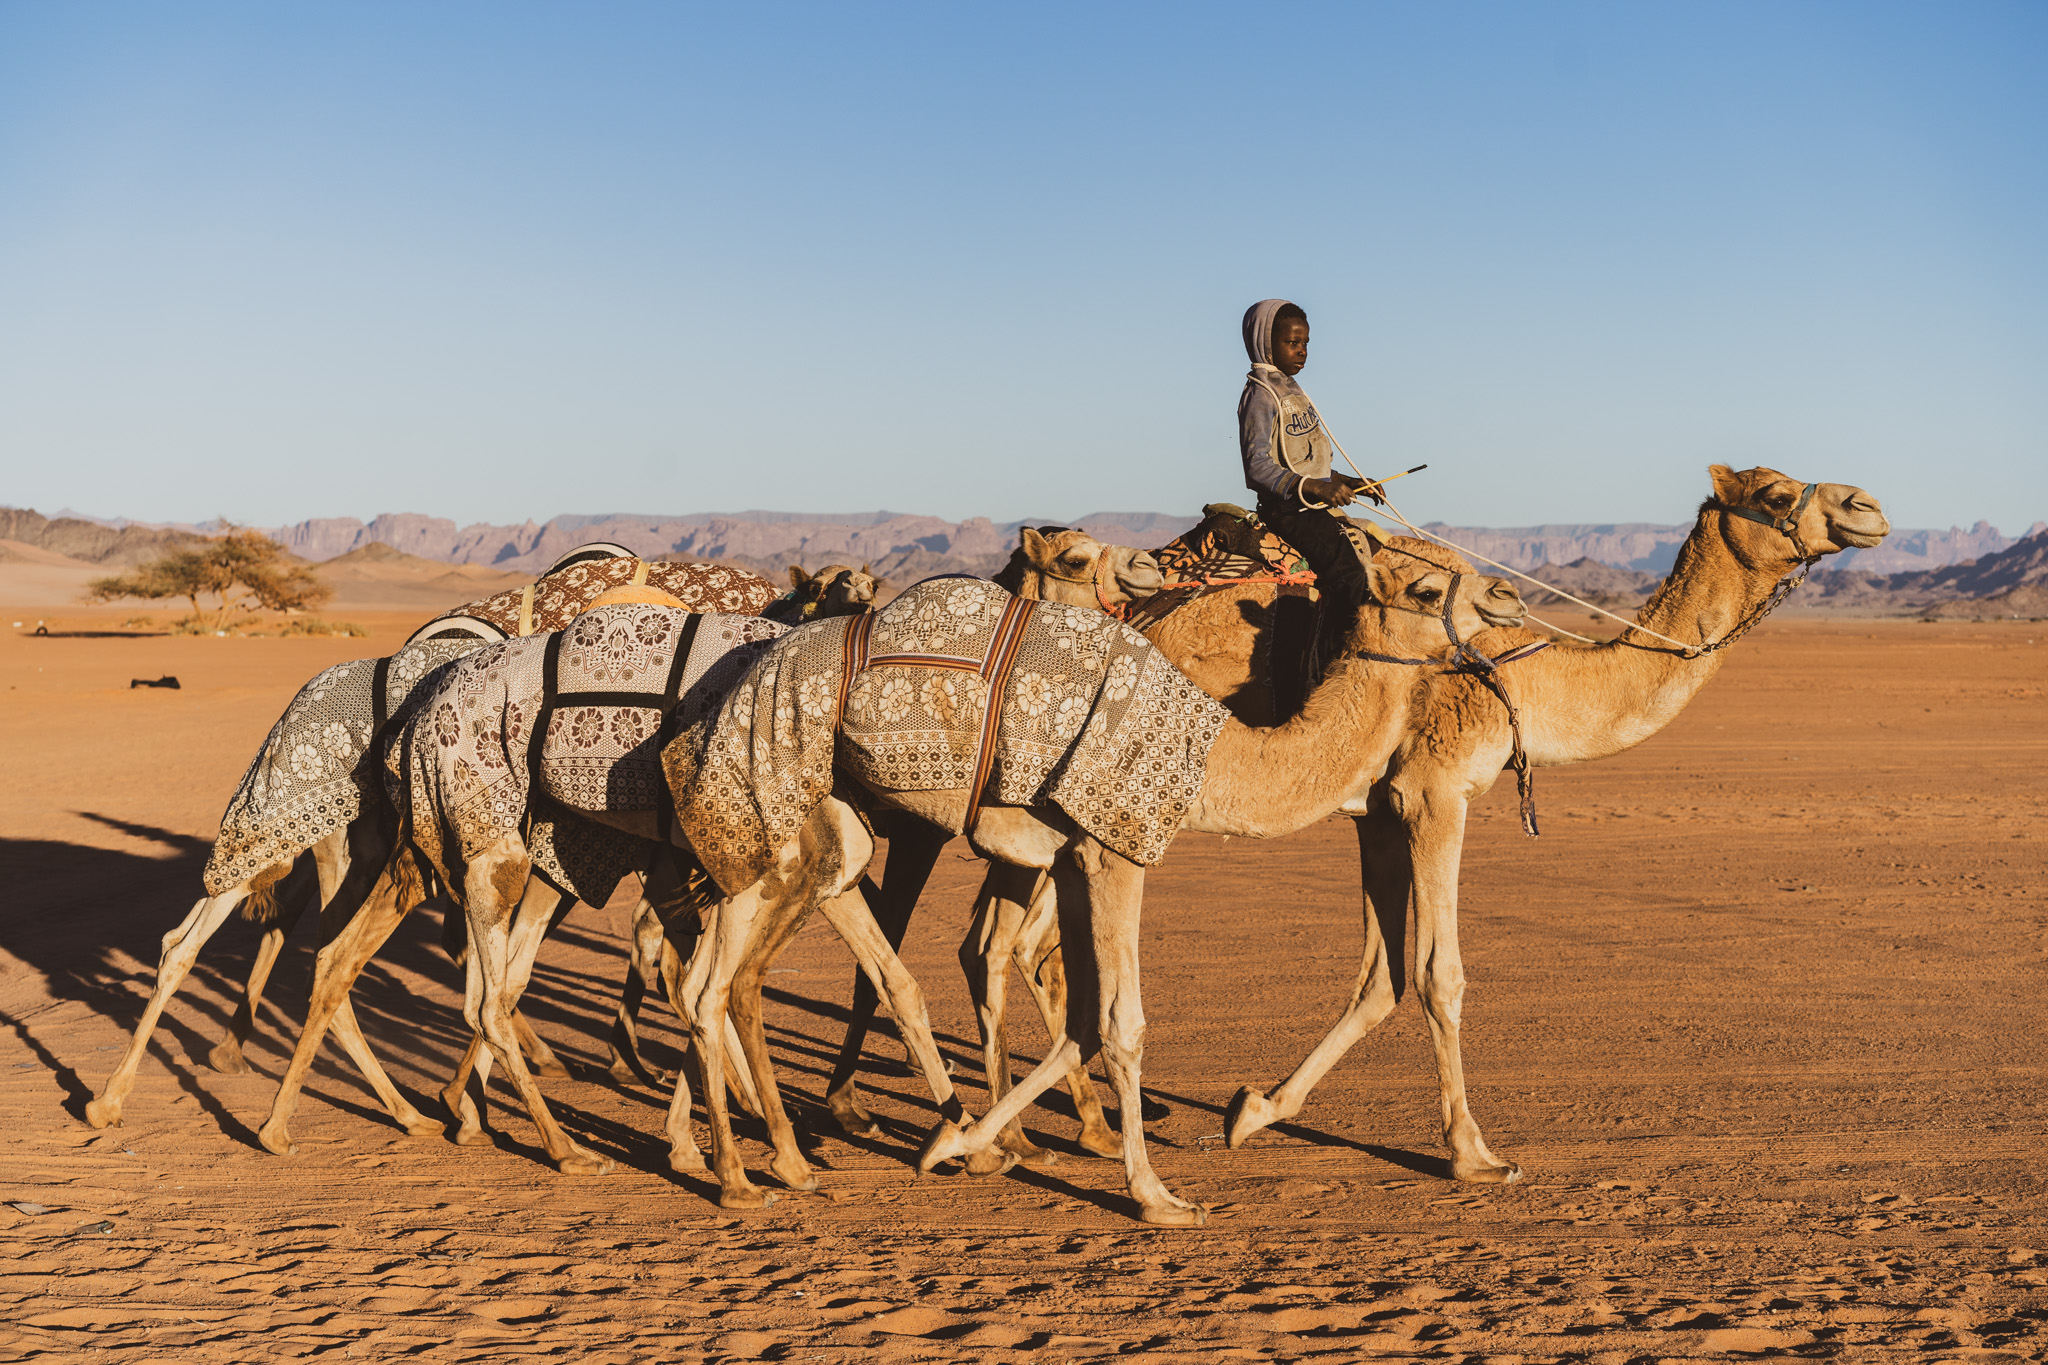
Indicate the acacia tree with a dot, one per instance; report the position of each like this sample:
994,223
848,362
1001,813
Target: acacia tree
244,569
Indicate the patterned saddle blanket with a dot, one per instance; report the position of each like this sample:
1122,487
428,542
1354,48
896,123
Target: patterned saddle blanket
551,602
1089,717
313,774
528,736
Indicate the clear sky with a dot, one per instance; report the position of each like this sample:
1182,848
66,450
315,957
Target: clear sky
492,261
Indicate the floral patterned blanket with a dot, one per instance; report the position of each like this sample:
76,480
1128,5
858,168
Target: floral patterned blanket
552,602
311,776
1092,719
579,713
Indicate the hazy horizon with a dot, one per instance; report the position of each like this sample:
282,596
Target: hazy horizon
473,259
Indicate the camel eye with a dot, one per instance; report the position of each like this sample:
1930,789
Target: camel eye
1427,594
1075,562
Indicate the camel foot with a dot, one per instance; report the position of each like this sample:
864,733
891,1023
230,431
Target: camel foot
745,1197
1174,1215
796,1174
1249,1112
553,1069
686,1161
1098,1139
417,1124
621,1072
990,1161
853,1120
277,1140
1027,1152
1484,1173
471,1135
227,1058
943,1143
103,1113
581,1162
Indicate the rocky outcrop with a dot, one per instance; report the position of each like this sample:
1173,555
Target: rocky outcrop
92,541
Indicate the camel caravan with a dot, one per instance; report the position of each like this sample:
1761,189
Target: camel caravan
741,750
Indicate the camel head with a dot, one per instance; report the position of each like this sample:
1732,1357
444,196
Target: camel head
1410,580
1062,565
835,590
1772,515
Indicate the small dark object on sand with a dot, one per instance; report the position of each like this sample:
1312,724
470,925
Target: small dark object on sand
165,681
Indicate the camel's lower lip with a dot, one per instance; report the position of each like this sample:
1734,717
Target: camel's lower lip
1858,542
1497,619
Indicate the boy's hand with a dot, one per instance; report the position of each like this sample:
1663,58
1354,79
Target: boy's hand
1329,491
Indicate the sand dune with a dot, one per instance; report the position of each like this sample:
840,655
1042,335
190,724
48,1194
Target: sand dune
1757,1015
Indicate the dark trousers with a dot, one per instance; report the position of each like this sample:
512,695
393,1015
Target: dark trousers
1318,534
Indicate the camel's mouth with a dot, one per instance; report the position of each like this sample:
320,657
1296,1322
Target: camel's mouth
1501,605
1141,577
1494,617
1851,537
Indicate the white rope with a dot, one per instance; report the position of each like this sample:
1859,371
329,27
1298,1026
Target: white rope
1388,503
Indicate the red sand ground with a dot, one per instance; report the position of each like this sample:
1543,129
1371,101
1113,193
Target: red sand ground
1760,1016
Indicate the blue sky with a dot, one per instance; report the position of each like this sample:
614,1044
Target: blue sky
492,261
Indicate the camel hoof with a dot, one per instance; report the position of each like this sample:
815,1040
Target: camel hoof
551,1070
855,1121
746,1197
1506,1174
419,1125
580,1162
1174,1215
277,1141
688,1162
1101,1142
471,1136
227,1059
943,1143
103,1113
799,1179
1249,1112
990,1161
621,1072
1027,1152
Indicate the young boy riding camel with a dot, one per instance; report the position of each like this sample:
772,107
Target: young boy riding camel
1287,459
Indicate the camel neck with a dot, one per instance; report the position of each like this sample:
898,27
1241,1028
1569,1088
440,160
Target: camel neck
1582,704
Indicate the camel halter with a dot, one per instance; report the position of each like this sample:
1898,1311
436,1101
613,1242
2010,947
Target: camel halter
1465,659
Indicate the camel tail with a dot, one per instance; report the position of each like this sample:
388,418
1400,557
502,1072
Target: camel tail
261,906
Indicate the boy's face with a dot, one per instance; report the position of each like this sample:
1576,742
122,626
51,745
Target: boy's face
1290,346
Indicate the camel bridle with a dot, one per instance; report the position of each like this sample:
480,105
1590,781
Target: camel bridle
1465,659
1787,526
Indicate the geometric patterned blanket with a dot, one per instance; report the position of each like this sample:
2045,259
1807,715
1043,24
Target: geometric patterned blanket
581,712
312,774
1092,719
554,600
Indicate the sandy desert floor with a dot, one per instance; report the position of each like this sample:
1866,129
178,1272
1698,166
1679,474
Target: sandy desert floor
1760,1016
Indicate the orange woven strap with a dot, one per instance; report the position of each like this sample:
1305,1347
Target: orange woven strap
854,660
1002,657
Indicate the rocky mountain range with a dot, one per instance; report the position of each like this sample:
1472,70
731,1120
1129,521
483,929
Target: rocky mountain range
1941,572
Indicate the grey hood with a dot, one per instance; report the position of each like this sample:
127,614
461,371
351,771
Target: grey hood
1258,329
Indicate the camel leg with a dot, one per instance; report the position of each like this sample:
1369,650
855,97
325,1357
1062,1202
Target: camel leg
335,968
683,1153
508,914
330,869
1008,895
1100,897
539,1055
720,953
1038,958
848,914
1385,878
627,1064
788,1164
180,950
1437,837
914,848
350,1036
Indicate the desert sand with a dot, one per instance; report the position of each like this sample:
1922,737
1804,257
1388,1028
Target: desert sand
1759,1016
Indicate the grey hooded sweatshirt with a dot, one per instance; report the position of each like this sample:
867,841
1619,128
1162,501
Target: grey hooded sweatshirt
1273,403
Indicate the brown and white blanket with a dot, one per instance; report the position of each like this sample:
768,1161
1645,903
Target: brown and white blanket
574,717
313,773
1091,718
551,602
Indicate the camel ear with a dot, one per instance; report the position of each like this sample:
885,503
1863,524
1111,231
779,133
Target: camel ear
1036,548
798,579
867,569
1380,579
1727,483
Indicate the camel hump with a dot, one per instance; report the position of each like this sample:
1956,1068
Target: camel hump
627,594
